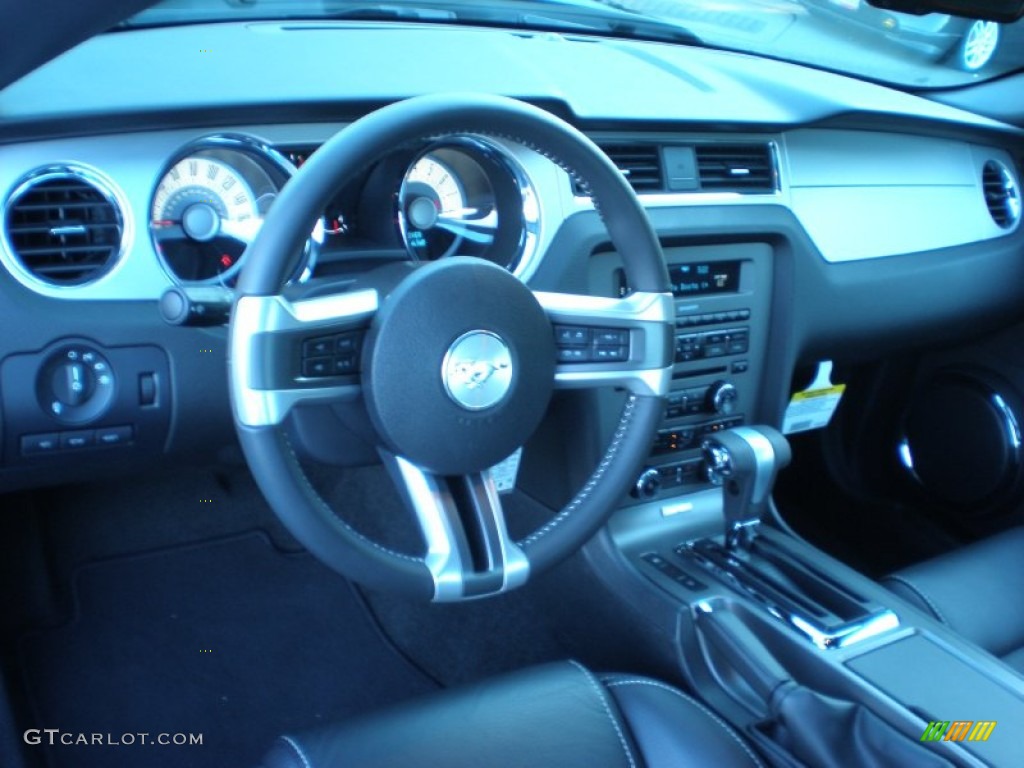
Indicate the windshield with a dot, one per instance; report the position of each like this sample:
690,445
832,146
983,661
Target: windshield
847,36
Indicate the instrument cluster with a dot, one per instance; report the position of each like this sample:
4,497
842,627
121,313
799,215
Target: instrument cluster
461,196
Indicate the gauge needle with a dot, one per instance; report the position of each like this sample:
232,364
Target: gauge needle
244,230
456,222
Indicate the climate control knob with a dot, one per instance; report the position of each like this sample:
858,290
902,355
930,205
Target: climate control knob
722,398
647,485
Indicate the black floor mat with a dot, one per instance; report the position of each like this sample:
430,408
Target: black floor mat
231,639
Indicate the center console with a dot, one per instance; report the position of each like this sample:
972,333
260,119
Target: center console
760,614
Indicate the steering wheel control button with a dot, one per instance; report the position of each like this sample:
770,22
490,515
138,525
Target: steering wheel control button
477,370
75,385
611,354
573,354
318,347
336,355
317,366
572,336
578,344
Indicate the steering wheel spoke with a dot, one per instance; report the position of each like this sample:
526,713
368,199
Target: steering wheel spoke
469,552
294,352
604,342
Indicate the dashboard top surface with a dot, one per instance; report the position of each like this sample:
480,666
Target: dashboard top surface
225,66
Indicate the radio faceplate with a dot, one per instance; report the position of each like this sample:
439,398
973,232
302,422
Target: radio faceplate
723,299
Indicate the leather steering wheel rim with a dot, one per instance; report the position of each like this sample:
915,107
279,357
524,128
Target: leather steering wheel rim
647,315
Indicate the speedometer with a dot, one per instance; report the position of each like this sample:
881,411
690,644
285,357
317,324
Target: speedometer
468,197
209,204
432,196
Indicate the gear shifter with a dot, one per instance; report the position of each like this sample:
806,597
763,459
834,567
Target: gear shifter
745,462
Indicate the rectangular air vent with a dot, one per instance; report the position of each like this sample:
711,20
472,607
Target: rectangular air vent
748,168
713,167
640,164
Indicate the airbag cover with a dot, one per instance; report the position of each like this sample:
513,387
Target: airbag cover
458,366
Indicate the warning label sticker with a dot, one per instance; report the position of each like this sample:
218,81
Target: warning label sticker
812,409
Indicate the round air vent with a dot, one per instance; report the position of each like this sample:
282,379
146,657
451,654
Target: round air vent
64,226
1002,195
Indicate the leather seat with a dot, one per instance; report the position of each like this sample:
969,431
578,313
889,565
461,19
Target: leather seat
975,592
558,715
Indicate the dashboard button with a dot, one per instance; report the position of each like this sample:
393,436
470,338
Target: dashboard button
48,442
147,389
80,438
114,435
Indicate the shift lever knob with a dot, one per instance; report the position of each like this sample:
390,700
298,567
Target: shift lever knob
745,462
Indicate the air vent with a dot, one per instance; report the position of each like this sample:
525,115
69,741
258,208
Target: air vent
64,227
713,167
1002,195
748,168
639,163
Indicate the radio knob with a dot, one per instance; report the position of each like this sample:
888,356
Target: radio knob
722,398
647,485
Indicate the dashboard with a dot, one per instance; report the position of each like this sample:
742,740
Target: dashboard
803,216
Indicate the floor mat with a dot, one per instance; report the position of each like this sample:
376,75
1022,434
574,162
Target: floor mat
231,640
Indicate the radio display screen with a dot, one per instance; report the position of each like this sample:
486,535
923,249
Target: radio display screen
702,278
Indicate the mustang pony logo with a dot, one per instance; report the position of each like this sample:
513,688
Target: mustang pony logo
475,373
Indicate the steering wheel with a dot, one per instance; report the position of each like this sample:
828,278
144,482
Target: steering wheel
458,362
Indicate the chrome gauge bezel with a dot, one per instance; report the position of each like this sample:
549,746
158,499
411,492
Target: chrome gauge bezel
278,169
522,263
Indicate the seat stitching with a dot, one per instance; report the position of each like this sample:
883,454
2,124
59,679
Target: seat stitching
725,726
298,750
917,591
613,449
607,709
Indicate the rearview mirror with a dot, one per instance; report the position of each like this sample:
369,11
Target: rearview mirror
990,10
